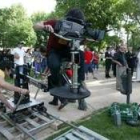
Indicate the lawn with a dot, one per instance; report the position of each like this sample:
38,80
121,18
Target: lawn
102,123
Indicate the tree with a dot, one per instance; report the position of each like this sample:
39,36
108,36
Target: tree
16,27
41,35
103,14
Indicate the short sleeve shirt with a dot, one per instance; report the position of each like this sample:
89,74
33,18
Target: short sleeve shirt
21,54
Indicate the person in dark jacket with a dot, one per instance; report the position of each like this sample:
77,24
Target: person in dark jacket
108,62
58,49
121,65
131,59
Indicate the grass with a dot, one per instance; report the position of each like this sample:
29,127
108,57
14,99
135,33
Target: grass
102,123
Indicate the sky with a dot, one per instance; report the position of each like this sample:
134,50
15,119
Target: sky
31,6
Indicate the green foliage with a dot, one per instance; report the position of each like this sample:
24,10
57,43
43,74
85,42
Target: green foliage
103,14
15,27
37,17
41,35
134,41
106,15
103,124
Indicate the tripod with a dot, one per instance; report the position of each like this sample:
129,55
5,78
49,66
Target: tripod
72,90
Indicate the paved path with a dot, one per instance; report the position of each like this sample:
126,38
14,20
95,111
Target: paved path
103,94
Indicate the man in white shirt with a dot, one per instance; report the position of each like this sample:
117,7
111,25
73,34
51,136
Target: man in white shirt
19,55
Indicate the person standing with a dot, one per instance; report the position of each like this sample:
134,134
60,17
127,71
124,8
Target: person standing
96,60
28,60
108,62
58,49
131,58
5,71
19,55
121,65
88,56
37,61
113,52
138,67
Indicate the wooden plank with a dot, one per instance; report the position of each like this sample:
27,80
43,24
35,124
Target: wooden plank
82,137
6,133
42,117
18,126
29,126
61,138
70,136
84,134
40,128
32,122
92,133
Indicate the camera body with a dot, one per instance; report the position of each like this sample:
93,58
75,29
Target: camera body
69,29
7,58
77,29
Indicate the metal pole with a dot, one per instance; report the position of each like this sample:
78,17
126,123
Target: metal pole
129,85
36,93
18,103
74,51
128,98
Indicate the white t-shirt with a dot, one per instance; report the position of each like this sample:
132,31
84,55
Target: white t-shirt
113,52
21,54
82,47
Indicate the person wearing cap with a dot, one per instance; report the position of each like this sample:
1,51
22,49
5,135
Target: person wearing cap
57,49
5,71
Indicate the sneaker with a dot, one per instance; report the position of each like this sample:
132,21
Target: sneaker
53,103
62,105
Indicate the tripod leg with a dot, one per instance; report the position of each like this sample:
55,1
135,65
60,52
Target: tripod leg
82,104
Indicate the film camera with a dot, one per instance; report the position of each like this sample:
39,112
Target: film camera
75,31
7,58
78,29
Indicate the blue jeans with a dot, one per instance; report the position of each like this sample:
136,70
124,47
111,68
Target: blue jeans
88,68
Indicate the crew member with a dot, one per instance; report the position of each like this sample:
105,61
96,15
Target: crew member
58,49
5,71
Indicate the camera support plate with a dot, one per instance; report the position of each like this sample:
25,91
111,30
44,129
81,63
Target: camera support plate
65,92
